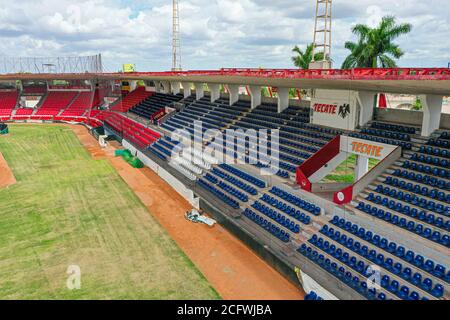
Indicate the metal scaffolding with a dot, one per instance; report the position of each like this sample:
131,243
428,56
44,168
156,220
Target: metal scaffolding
49,65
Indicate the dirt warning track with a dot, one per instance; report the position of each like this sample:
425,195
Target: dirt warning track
231,268
6,175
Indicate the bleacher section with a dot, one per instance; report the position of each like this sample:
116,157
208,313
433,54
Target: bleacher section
348,251
130,130
154,103
217,115
414,193
55,102
82,103
8,101
298,139
130,100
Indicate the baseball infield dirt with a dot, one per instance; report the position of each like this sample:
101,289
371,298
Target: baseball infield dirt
231,267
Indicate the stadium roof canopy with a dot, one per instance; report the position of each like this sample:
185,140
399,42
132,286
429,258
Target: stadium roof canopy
399,80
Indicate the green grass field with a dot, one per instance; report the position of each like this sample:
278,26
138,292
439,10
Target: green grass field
345,172
68,209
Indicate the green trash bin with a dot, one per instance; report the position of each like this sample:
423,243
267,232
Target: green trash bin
136,163
119,153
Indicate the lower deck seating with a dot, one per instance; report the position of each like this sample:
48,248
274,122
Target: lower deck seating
132,131
82,103
273,229
8,101
56,102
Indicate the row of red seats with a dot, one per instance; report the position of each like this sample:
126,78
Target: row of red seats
132,131
133,98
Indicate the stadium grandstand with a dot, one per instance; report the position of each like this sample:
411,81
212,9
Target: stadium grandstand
269,190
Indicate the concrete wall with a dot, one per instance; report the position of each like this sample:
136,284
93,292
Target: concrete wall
409,117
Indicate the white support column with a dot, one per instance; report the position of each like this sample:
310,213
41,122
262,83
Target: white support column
365,100
199,90
187,89
214,88
362,167
233,90
283,99
432,109
176,87
255,92
133,85
166,87
157,86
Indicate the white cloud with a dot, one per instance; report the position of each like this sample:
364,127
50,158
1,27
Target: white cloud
226,33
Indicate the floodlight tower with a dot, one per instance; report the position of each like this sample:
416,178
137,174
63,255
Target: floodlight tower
176,47
322,34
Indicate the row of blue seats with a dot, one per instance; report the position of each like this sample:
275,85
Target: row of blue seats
386,134
445,135
293,144
417,260
415,188
355,282
439,143
243,175
423,215
221,195
268,226
238,183
157,153
365,269
422,178
408,198
393,127
290,136
295,152
431,160
233,191
411,226
377,258
296,161
403,144
162,150
313,127
312,296
211,178
258,123
435,151
300,216
305,133
281,219
406,210
442,173
305,205
280,173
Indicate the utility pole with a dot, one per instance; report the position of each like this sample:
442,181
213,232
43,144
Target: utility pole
322,34
176,47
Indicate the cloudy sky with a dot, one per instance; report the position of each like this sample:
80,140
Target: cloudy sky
225,33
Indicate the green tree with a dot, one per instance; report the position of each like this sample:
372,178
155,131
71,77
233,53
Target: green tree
375,47
302,59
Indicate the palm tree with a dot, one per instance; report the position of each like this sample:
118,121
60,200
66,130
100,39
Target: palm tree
375,47
303,59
